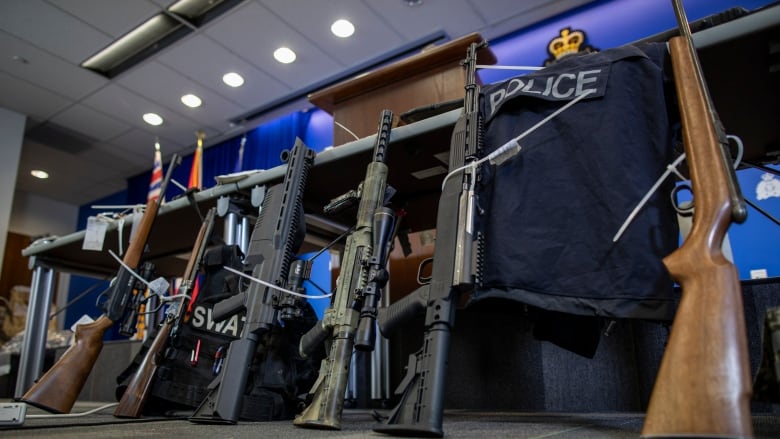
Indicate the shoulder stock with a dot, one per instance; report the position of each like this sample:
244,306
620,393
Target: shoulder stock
132,403
60,386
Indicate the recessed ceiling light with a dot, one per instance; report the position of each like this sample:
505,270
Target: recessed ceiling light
342,28
233,79
39,174
191,100
153,119
284,55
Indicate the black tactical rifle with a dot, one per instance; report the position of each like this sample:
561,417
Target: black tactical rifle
420,409
276,238
350,321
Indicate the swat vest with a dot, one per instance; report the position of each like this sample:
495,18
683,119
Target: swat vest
192,360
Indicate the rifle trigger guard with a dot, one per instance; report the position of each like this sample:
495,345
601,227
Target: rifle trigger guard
687,210
422,279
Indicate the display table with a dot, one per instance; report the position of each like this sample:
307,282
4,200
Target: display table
413,150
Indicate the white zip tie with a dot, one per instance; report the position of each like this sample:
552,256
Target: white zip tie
127,267
270,285
669,169
672,168
157,286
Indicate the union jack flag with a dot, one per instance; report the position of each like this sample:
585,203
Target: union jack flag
157,174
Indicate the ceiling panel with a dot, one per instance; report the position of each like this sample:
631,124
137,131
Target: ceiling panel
372,37
167,87
130,106
37,67
262,33
23,97
121,161
115,17
506,16
137,146
205,61
93,123
48,27
66,171
454,17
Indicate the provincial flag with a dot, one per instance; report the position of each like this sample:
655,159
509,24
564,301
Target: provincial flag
196,173
157,174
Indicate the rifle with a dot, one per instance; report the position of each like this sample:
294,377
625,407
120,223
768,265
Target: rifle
350,319
276,238
420,409
132,403
57,390
703,384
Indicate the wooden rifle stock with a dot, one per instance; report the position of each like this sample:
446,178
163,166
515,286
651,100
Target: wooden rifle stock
57,390
703,385
132,403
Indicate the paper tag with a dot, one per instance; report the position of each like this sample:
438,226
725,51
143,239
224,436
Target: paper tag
159,286
95,234
83,320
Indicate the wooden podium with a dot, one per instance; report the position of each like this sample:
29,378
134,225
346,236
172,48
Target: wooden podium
431,77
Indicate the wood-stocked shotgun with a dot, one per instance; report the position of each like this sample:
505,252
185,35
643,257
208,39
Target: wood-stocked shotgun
703,385
132,403
57,390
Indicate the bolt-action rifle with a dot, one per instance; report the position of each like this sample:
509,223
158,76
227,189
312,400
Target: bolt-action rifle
276,238
703,385
57,390
420,409
132,403
350,321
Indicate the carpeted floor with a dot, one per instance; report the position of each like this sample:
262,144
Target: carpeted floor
355,424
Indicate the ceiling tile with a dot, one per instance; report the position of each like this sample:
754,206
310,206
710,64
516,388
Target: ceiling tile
71,81
67,172
28,99
51,29
138,146
163,84
505,16
496,11
455,17
205,62
115,17
130,107
262,33
372,37
90,122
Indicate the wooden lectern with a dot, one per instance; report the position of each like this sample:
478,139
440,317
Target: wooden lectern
433,76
